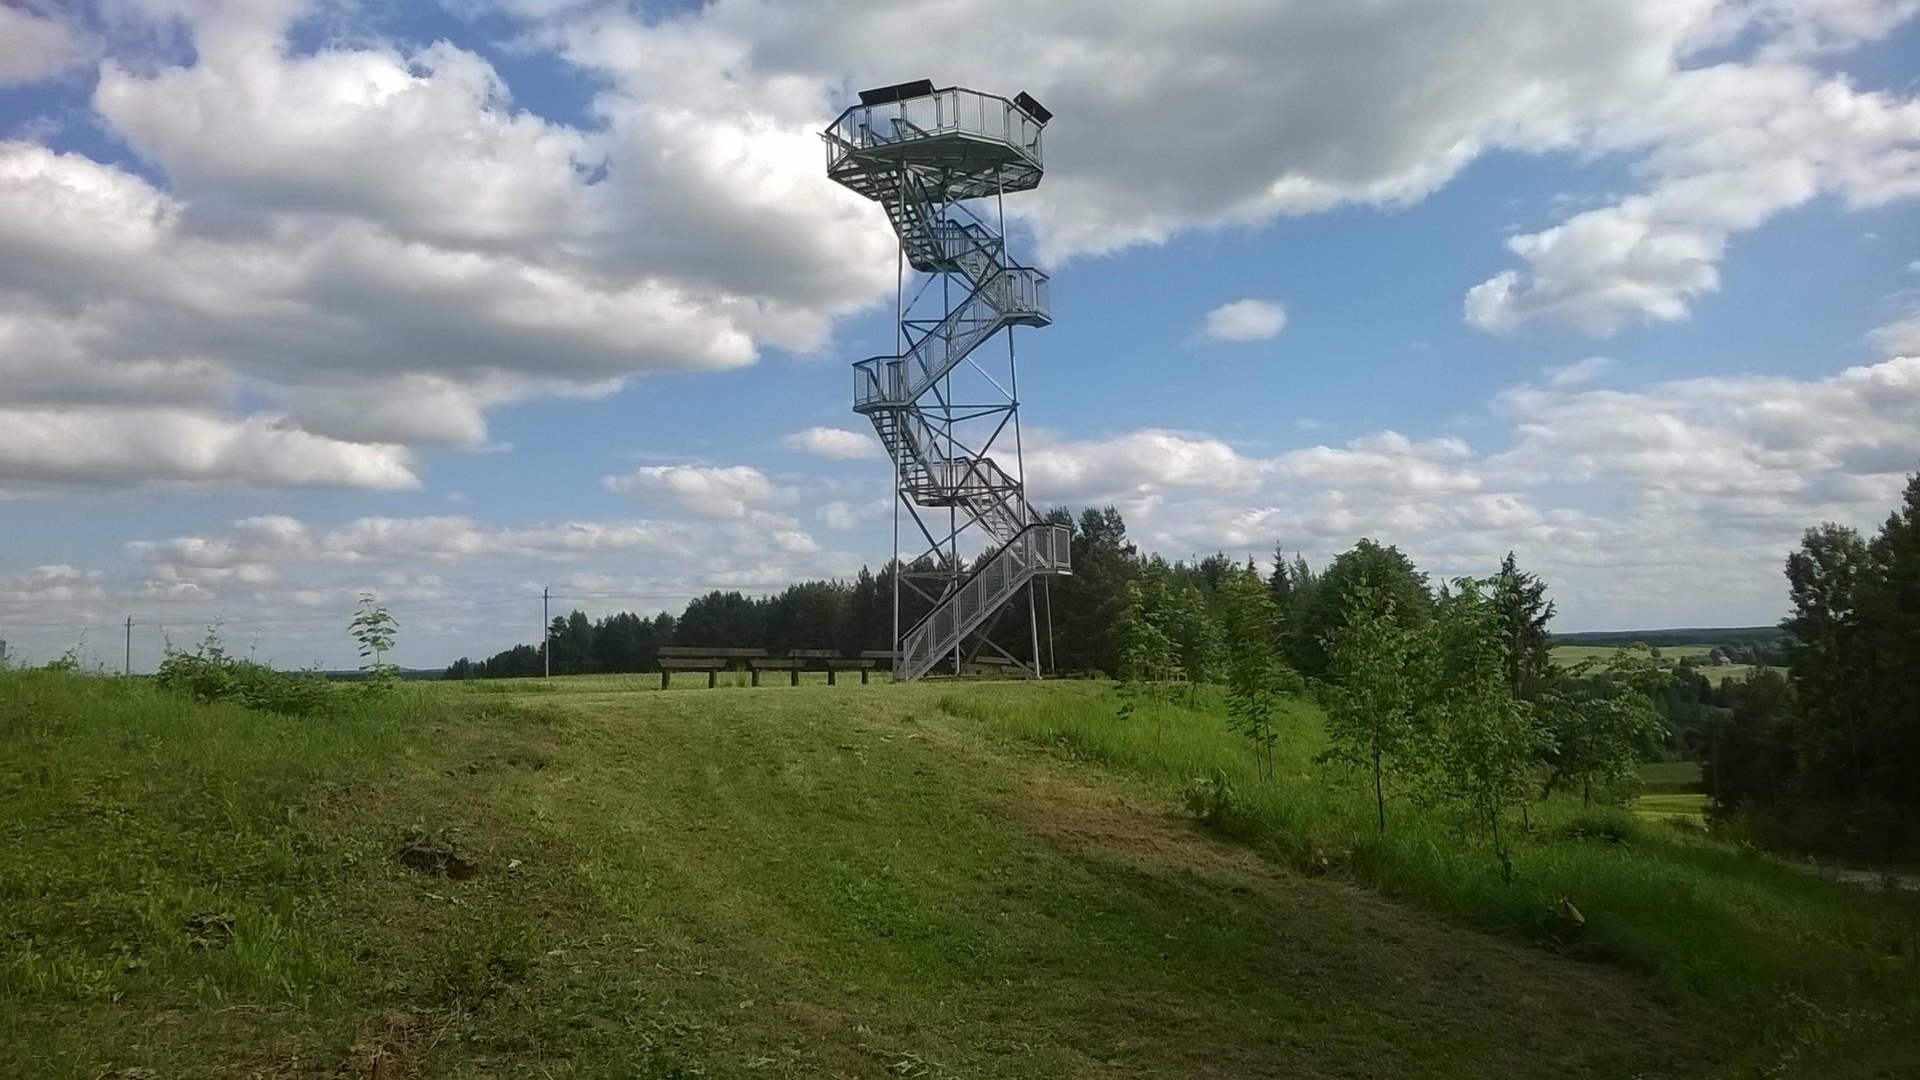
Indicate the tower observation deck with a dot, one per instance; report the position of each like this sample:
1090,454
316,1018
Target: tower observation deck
939,403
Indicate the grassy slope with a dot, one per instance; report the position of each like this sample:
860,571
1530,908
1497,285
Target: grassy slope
784,882
1802,976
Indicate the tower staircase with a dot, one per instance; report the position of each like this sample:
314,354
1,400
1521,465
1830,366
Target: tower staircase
921,153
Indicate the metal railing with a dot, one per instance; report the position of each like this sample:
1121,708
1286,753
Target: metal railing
1003,295
1042,548
880,380
954,110
993,498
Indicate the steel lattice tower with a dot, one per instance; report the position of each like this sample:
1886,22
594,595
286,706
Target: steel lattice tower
944,415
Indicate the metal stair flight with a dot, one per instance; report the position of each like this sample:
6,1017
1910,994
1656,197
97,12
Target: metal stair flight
921,153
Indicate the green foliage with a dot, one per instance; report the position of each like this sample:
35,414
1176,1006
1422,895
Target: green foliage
374,630
207,673
1382,578
1382,669
1521,600
1598,720
1853,758
1166,631
1256,678
1212,801
1087,606
1831,656
1148,658
1484,741
1747,755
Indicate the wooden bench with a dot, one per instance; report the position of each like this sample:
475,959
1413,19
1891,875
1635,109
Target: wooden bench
699,658
863,665
713,661
811,660
993,665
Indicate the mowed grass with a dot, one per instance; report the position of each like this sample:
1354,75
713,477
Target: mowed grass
1798,975
962,880
789,882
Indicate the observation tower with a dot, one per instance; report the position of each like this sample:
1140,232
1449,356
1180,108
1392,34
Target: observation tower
947,403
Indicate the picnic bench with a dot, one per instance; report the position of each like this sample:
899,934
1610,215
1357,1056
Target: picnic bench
702,658
798,660
994,665
713,661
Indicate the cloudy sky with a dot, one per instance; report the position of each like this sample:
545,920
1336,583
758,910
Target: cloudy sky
300,299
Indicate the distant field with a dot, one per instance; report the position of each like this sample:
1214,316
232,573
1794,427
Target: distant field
1689,808
1669,777
1569,655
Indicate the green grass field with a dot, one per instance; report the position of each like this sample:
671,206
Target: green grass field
1569,655
1670,777
594,878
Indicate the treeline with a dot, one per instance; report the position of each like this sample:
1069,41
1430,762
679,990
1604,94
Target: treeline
847,615
1080,616
1828,756
1076,616
1732,637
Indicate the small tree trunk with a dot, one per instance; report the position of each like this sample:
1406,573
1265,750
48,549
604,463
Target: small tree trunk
1500,849
1379,795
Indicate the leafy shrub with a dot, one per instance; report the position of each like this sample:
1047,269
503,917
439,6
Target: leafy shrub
1212,800
208,673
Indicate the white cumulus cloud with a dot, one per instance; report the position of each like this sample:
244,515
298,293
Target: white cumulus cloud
1244,320
838,444
733,491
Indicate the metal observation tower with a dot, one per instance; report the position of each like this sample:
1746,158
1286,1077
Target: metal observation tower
946,405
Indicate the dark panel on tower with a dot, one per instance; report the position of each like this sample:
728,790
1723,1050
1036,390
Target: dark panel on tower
1031,107
897,92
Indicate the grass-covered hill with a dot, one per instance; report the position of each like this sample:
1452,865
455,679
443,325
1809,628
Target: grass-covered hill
594,878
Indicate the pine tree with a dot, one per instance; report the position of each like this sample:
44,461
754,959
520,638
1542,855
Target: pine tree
1521,600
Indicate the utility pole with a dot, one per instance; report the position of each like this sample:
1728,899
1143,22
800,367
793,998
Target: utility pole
546,632
126,671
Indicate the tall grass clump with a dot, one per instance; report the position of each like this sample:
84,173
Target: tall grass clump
1794,967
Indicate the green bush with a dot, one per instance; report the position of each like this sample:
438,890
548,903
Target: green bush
1212,801
207,673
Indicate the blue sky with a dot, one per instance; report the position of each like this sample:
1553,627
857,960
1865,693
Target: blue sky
302,300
